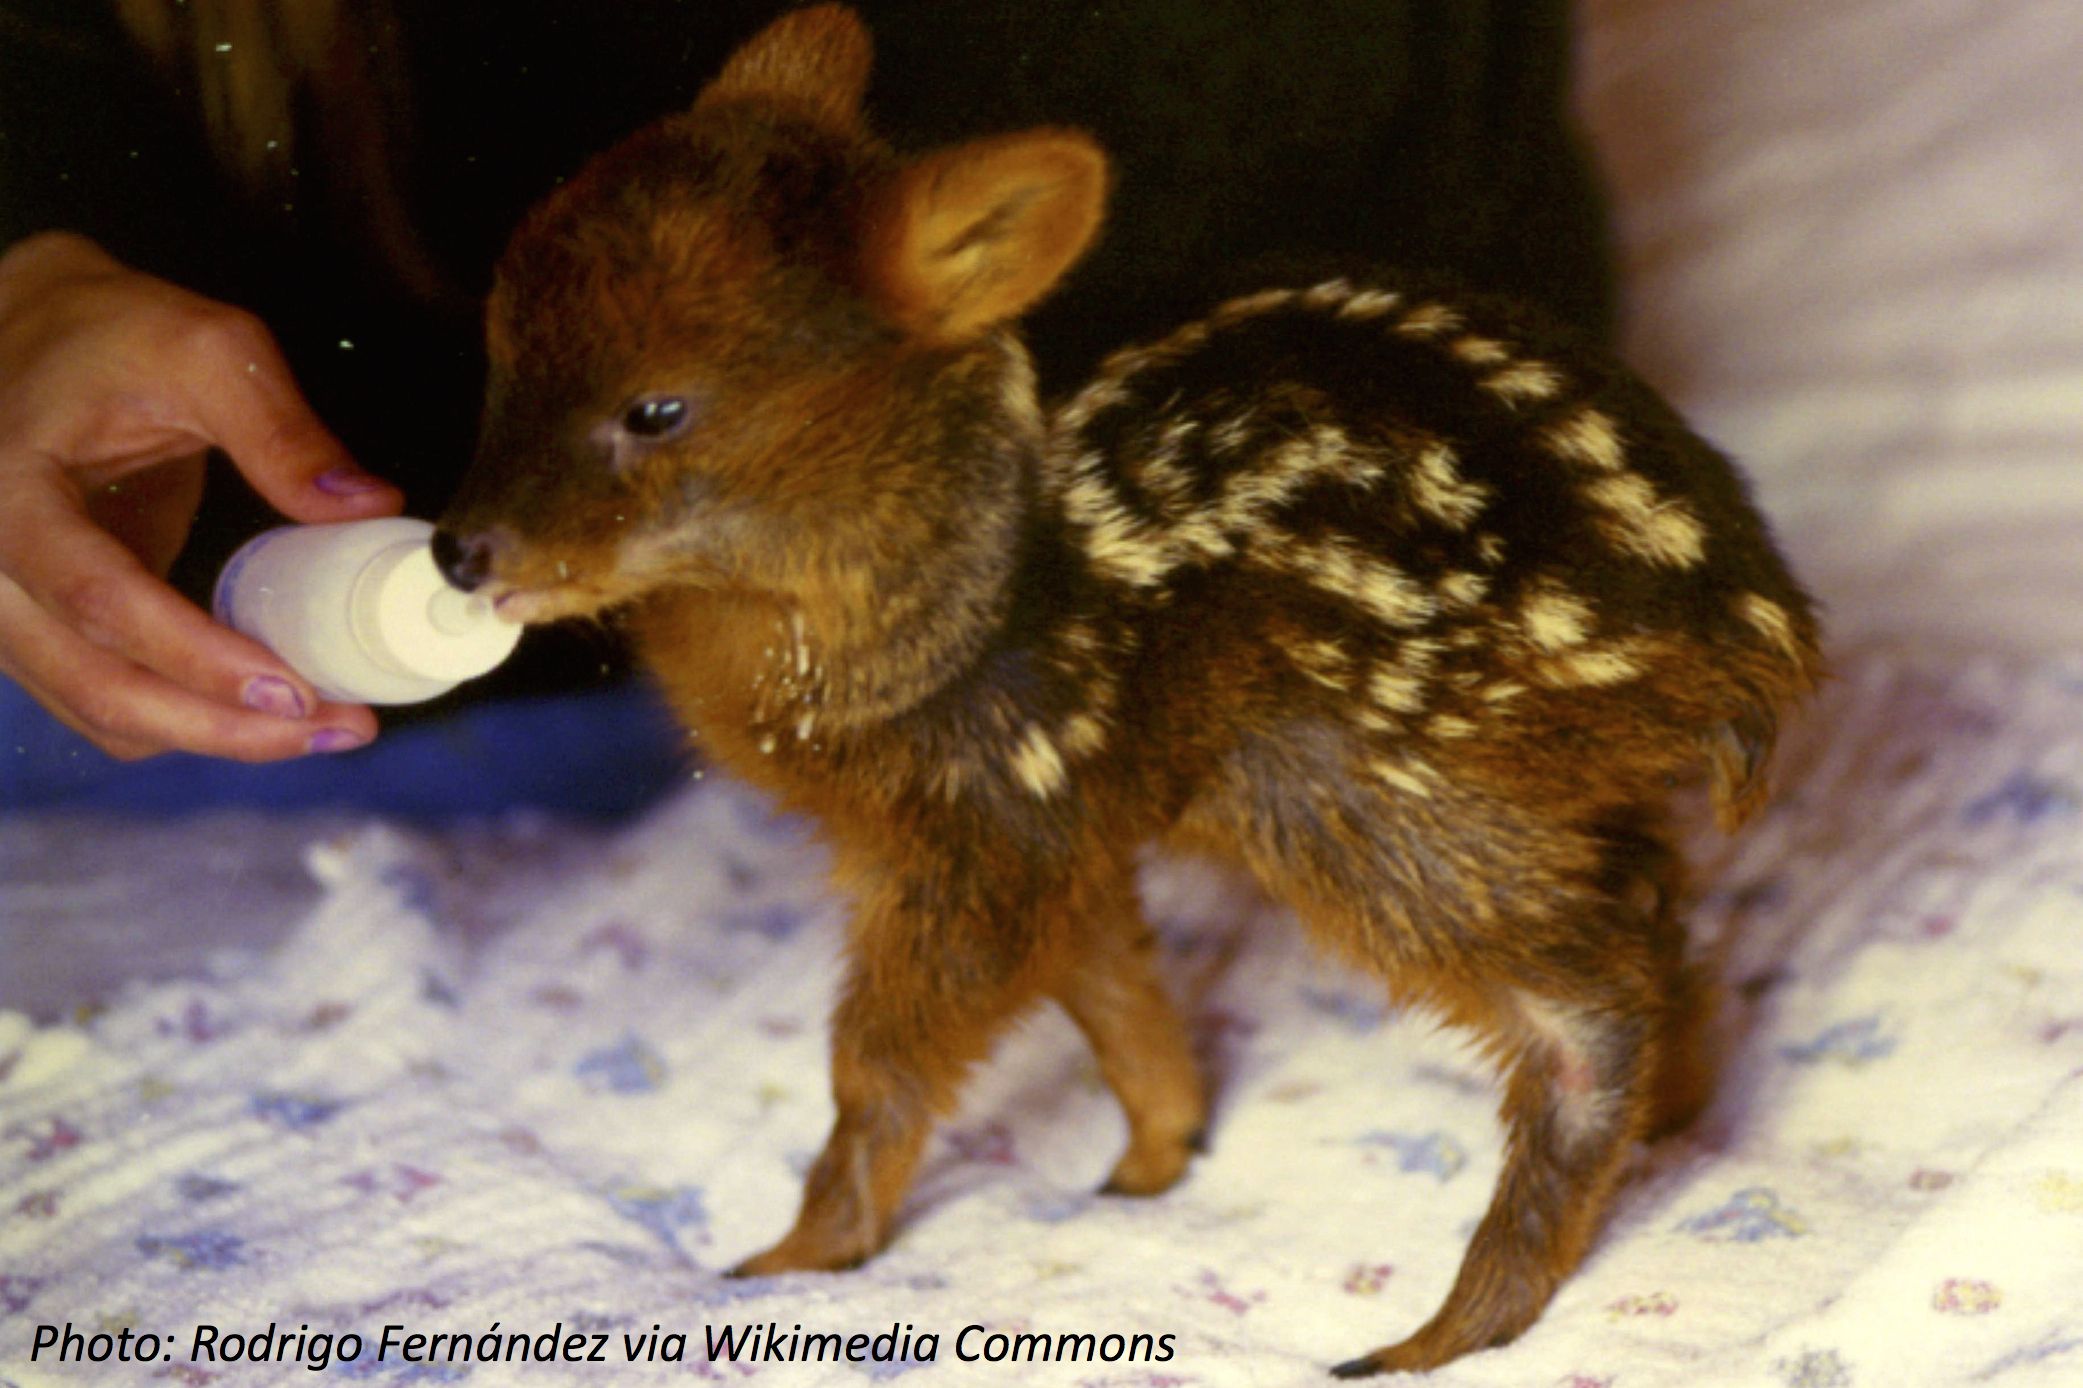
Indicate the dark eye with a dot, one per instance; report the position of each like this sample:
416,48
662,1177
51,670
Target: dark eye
656,417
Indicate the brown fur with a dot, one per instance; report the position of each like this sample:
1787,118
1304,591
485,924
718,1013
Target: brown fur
1403,601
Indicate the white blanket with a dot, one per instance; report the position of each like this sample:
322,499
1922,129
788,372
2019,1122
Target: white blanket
464,1097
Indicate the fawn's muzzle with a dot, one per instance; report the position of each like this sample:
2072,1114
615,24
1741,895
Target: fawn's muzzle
465,561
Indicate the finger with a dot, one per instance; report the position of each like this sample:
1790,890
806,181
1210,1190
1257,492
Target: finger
131,712
247,402
122,749
89,582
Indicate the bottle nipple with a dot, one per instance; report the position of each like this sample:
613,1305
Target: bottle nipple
414,621
453,612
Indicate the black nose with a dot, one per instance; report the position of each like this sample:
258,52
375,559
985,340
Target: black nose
464,562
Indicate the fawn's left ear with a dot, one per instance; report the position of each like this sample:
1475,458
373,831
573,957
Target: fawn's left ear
970,237
818,57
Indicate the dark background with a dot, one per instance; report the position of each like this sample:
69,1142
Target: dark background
1251,144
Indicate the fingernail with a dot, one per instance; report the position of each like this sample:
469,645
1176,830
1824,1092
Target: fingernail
272,694
335,740
346,480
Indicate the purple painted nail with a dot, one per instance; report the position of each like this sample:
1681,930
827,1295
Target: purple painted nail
347,480
335,740
272,694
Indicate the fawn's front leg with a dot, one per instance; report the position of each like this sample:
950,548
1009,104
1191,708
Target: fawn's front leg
926,994
1112,991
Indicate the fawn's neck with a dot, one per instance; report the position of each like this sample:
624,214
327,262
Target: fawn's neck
904,599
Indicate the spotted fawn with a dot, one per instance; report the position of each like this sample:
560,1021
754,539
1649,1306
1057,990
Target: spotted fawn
1397,597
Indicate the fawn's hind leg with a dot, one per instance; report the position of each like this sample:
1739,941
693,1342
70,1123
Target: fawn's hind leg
1114,995
1649,882
1685,1061
1604,1044
1579,1071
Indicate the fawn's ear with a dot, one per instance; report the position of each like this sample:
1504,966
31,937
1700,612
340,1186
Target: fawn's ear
818,56
973,236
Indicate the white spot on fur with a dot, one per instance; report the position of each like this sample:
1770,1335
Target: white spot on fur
1461,591
1369,303
1102,394
1397,689
1228,436
1436,486
1479,351
1160,475
1037,764
1083,735
1373,721
801,644
1660,530
1583,1106
1594,666
1333,565
1449,725
1324,453
1410,776
1173,438
1770,620
1119,544
1524,381
1016,392
1125,547
1324,661
1249,305
1329,294
1429,320
1588,437
1553,618
1120,365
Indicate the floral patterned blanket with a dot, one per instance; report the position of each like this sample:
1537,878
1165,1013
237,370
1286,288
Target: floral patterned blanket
483,1122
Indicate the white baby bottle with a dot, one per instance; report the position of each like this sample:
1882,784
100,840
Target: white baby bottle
359,609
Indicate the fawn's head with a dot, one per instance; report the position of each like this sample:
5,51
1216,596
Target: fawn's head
741,346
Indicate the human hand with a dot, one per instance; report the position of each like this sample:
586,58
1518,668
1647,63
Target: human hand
113,385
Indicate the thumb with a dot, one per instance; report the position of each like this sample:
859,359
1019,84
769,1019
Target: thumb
248,404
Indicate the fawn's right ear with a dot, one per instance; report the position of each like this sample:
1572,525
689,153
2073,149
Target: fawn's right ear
973,236
818,57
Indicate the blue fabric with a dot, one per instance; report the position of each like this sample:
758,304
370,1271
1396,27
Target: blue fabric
599,755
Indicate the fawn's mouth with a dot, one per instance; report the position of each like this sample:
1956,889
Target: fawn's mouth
547,602
534,590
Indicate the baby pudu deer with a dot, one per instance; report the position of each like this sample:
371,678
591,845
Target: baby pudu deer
1398,598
